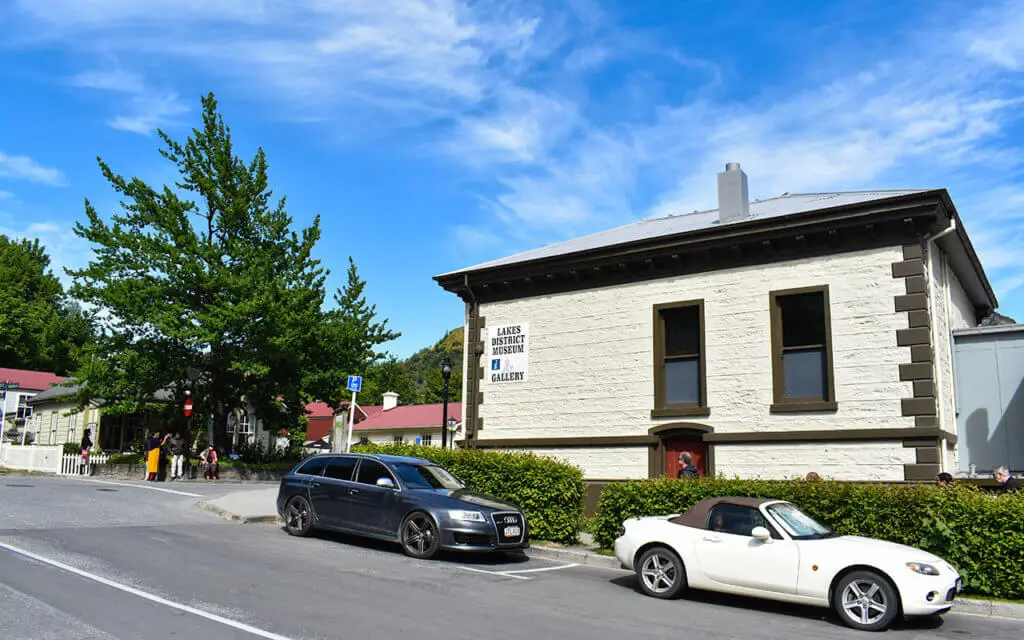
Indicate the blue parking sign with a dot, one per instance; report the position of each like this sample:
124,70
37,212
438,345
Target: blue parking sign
355,383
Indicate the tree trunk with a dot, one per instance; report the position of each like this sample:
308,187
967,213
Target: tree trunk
220,428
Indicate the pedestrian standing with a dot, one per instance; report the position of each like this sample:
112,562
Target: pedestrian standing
176,447
153,456
85,447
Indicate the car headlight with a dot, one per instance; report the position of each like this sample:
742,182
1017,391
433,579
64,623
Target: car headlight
922,568
466,516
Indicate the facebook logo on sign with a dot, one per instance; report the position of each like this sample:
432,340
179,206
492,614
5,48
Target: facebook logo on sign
496,364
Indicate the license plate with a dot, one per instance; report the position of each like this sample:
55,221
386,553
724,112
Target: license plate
513,532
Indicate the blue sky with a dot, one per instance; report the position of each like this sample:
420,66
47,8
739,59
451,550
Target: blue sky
435,134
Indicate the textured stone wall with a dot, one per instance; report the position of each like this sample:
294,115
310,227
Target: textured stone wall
836,461
591,352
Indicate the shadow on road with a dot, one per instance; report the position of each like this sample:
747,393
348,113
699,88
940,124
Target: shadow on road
498,558
779,608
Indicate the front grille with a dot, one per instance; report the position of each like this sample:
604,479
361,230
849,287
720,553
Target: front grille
473,539
507,519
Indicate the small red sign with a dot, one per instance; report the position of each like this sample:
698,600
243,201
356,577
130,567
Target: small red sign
188,407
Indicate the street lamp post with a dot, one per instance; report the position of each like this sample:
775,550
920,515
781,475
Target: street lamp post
446,373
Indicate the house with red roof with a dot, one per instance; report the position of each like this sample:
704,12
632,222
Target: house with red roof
414,423
22,384
321,416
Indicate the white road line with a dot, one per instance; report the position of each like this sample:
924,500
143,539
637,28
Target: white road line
495,573
563,566
146,486
148,596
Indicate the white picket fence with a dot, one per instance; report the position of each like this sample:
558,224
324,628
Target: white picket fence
71,464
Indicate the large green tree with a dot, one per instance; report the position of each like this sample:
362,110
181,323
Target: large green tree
205,285
39,327
349,337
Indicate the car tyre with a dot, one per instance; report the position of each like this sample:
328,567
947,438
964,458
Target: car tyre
298,517
866,601
420,536
661,573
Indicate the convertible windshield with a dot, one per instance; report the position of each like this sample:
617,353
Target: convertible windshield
426,476
798,524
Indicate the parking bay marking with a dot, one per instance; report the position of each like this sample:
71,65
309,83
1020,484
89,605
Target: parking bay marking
515,574
539,569
142,594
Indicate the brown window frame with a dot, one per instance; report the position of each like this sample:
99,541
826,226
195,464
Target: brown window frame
782,404
662,409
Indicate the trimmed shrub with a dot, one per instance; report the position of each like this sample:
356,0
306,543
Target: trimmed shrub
548,491
125,458
71,448
980,534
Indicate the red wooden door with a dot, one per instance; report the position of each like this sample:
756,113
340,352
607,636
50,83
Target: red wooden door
697,449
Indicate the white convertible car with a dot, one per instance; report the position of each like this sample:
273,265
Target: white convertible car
771,549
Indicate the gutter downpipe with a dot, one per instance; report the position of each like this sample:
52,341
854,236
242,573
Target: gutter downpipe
469,399
936,369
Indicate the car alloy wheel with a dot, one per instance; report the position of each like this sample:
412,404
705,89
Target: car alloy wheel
298,517
661,573
419,536
866,601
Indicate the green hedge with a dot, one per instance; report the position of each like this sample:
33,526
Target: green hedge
980,534
548,491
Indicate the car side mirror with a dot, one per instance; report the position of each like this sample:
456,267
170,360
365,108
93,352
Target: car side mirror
762,534
387,483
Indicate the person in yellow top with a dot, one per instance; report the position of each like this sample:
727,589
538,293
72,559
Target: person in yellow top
153,449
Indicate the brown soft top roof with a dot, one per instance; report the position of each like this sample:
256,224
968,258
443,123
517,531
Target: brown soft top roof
697,516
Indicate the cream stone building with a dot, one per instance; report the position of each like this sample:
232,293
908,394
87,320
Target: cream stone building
808,332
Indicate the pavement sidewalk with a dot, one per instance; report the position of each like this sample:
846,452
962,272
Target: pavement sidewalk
260,506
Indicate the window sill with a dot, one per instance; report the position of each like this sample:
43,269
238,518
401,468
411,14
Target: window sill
675,412
804,407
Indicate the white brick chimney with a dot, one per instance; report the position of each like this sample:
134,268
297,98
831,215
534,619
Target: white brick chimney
390,400
733,199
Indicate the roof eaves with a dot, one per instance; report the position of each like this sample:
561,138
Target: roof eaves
693,237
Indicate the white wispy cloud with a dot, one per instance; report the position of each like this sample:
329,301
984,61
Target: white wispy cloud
505,88
110,80
150,112
142,109
403,62
25,168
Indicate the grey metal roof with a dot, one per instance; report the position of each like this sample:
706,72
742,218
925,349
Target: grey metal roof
56,392
984,331
784,205
61,391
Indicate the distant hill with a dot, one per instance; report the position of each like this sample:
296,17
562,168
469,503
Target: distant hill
424,367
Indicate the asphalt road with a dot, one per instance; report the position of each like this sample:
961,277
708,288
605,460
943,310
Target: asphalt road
81,559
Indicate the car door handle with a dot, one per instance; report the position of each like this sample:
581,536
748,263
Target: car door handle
316,484
353,492
711,539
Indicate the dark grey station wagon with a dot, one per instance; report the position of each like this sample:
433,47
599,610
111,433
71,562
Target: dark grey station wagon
407,500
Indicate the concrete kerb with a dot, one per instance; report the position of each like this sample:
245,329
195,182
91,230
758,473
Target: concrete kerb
224,514
569,554
992,608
